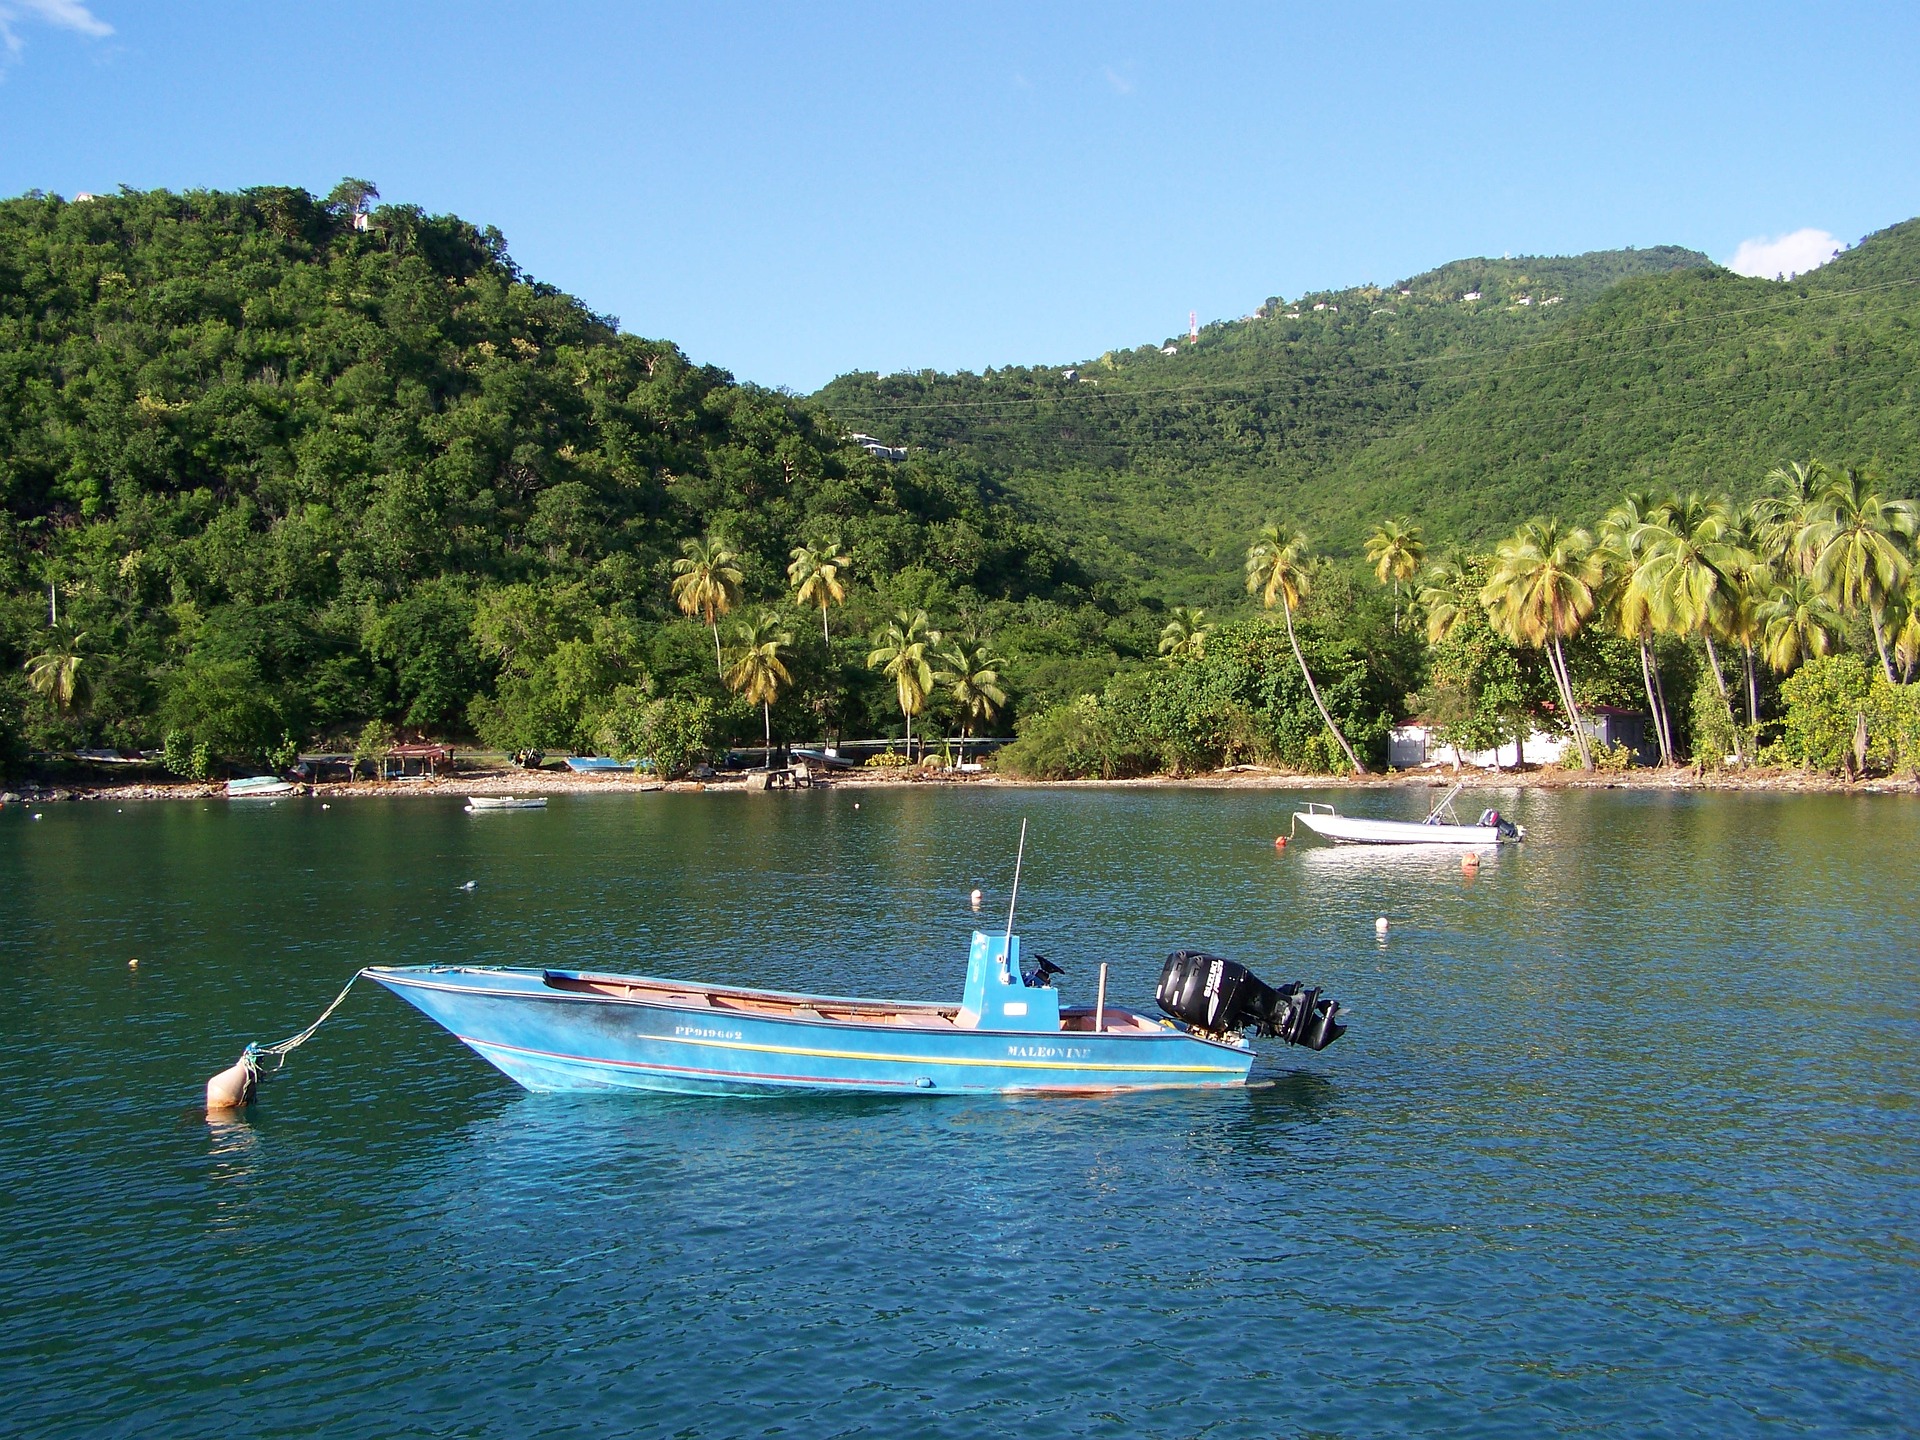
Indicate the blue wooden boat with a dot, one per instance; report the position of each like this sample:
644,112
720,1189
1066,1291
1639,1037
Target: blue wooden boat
597,764
568,1030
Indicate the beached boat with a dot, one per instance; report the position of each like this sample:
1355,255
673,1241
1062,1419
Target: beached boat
257,787
597,764
826,759
477,803
1441,827
562,1030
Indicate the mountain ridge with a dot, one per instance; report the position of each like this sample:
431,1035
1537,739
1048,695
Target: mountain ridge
1155,463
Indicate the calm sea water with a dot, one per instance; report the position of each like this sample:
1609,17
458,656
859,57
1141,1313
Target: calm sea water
1624,1140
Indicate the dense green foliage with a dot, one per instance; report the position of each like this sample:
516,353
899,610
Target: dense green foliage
1655,366
1841,716
268,474
277,471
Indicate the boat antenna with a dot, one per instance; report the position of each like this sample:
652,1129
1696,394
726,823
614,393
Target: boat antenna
1006,948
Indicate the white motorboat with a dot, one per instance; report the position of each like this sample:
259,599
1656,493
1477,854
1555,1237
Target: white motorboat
259,787
477,803
1441,827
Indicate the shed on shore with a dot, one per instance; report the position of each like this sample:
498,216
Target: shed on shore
416,762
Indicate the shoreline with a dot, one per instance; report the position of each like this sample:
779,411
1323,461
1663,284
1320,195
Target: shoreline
509,781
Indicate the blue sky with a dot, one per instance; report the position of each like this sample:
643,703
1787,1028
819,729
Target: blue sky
795,191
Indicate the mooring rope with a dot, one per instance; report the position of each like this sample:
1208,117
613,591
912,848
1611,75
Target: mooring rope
280,1049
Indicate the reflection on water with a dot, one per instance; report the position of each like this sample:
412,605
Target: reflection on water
1620,1132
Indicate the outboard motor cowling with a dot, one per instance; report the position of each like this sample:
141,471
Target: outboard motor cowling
1222,997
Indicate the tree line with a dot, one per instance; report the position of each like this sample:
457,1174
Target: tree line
1687,595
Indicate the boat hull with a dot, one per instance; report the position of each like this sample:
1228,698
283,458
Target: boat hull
1351,830
550,1039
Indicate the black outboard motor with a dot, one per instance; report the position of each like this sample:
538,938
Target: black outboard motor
1220,997
1498,823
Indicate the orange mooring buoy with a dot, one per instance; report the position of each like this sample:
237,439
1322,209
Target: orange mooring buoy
234,1087
1279,842
1469,863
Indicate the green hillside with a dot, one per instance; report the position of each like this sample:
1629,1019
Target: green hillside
1565,381
266,475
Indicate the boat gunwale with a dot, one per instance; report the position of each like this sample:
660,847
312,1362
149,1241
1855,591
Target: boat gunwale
409,975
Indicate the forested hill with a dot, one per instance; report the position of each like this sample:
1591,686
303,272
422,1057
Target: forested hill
274,471
1466,398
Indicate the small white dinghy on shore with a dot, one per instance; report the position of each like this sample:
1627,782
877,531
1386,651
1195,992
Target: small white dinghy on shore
259,787
476,803
1439,828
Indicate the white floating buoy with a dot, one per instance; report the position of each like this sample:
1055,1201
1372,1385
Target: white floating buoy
36,814
1380,926
134,964
325,806
975,897
233,1087
467,886
856,805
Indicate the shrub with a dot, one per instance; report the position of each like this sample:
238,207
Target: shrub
1077,740
670,735
1709,724
1824,699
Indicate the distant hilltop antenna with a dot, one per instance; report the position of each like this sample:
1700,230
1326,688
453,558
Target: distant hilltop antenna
1193,326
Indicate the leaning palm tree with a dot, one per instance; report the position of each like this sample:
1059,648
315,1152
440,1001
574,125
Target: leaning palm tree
972,672
1395,549
816,576
1624,537
1861,545
1540,588
1184,636
900,653
1277,570
1687,571
707,583
1797,623
60,671
1442,594
758,670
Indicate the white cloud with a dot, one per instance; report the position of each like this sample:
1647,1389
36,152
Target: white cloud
1120,83
1787,255
61,14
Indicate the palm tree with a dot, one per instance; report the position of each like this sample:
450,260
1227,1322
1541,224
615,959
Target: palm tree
1778,521
815,575
973,672
1442,595
60,671
1624,536
1540,589
1860,543
1752,583
1687,571
707,584
1277,570
1183,636
1797,623
758,672
900,653
1396,550
1906,634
